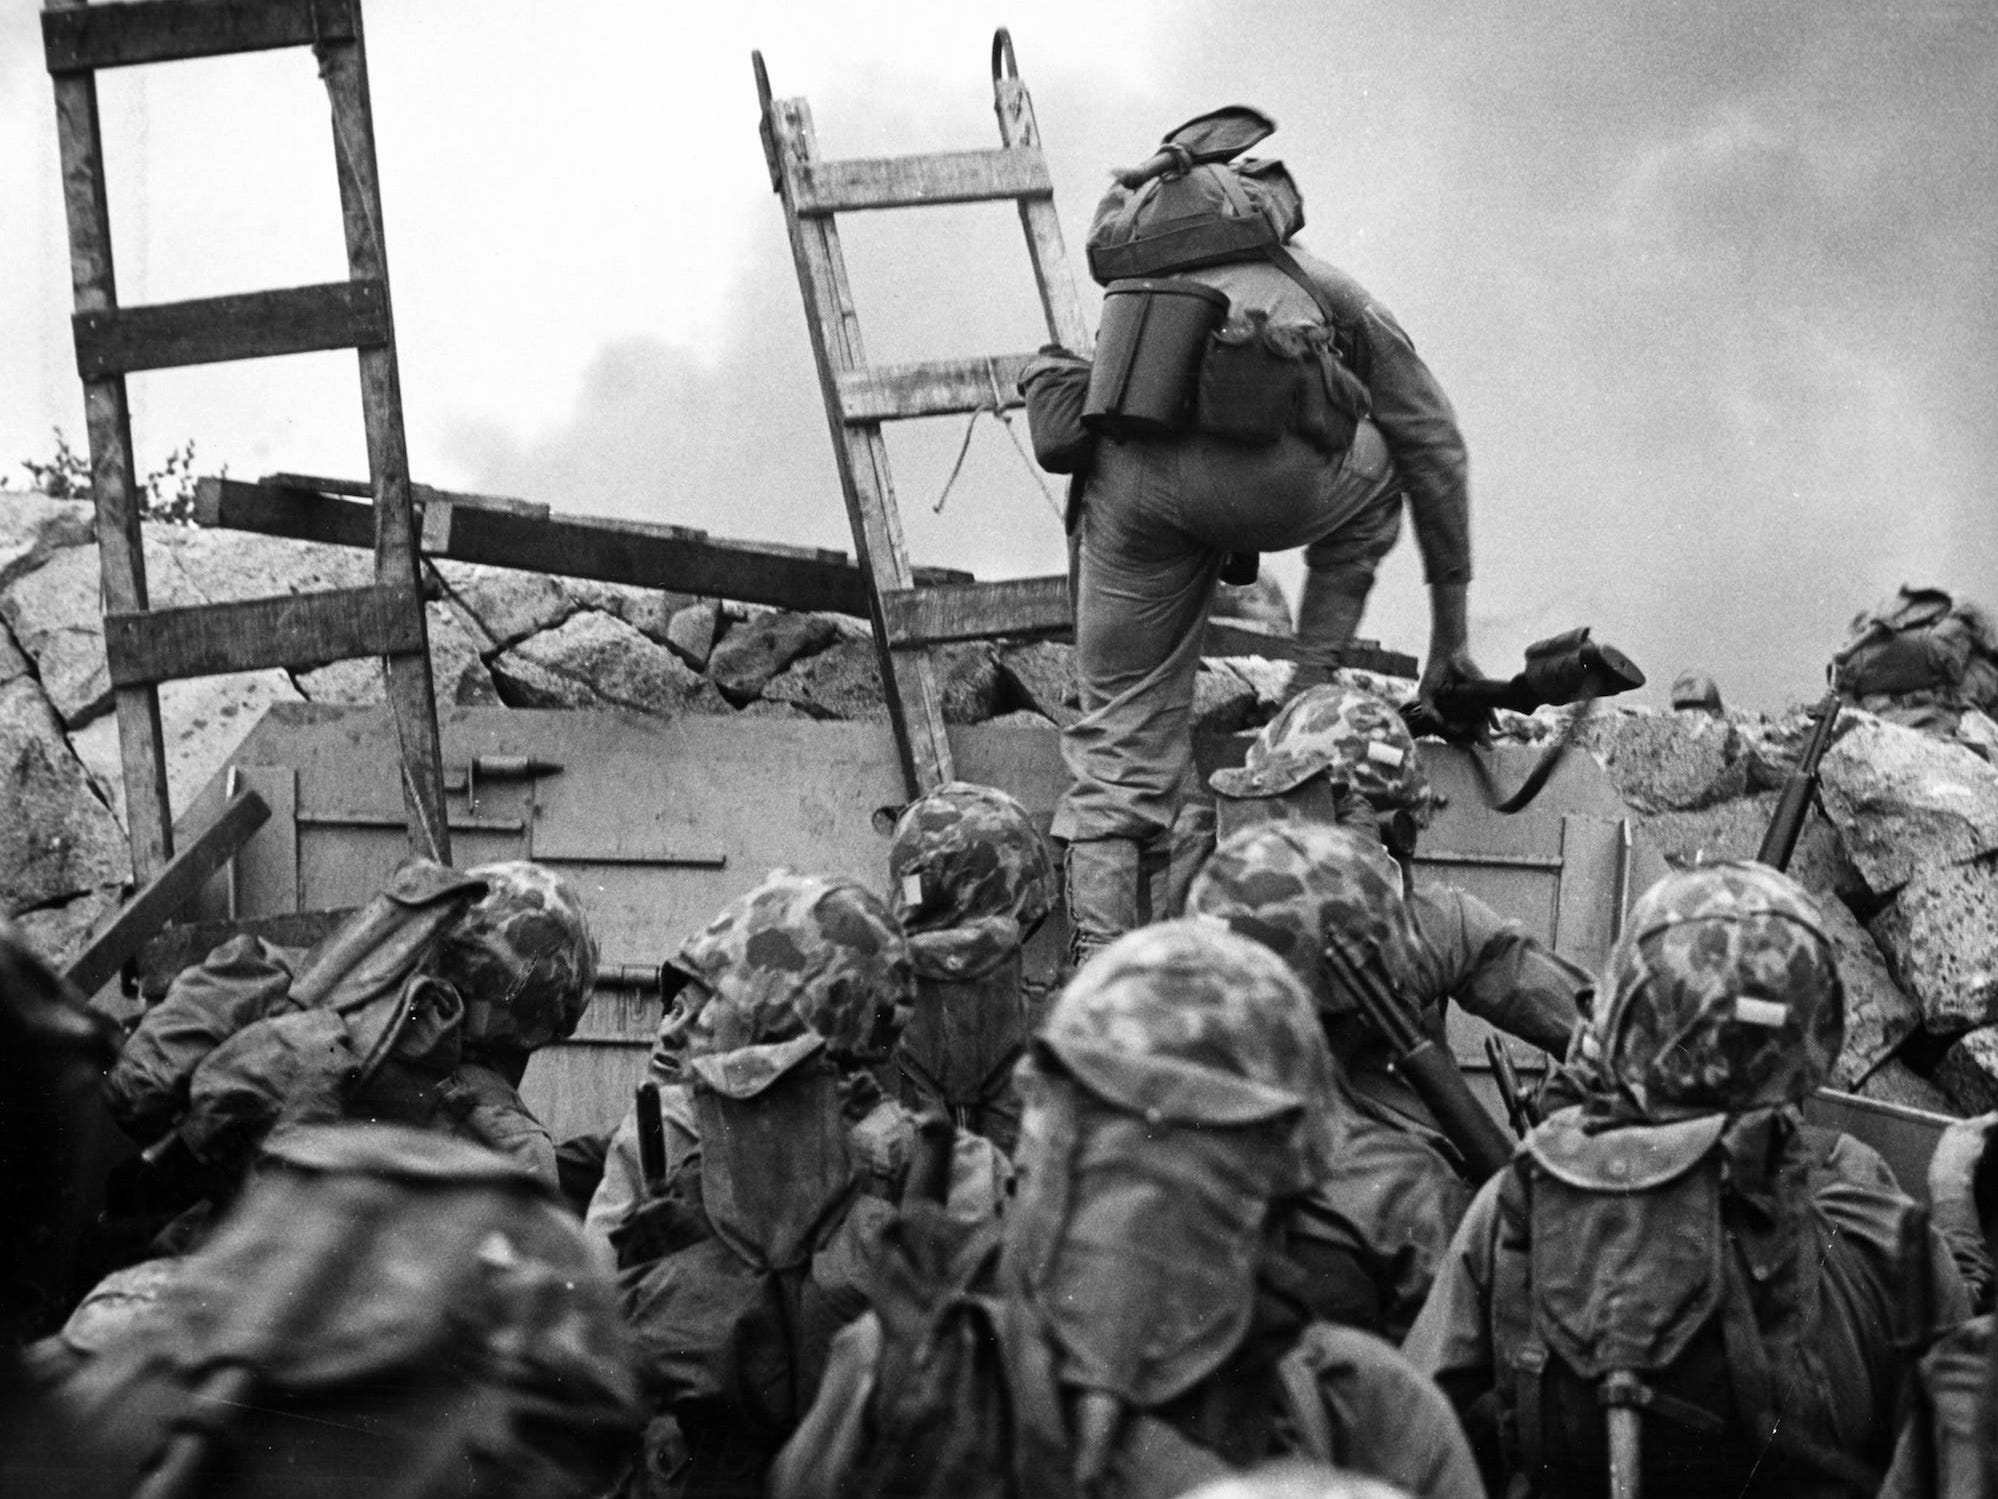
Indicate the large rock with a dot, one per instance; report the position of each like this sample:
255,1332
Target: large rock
1941,934
507,604
1968,1072
1897,1083
1878,1015
1260,603
692,631
1039,677
59,933
1270,680
457,667
1734,830
649,611
762,646
1222,702
844,682
1667,761
54,610
592,660
33,527
1906,801
201,723
60,840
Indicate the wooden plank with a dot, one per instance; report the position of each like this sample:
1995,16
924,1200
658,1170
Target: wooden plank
642,555
182,946
977,611
861,183
143,31
114,484
422,494
909,679
298,630
248,325
938,387
125,933
1056,282
412,695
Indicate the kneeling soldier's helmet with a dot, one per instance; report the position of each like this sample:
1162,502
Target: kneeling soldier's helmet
1723,994
798,953
970,877
1353,735
1184,1022
1295,886
521,958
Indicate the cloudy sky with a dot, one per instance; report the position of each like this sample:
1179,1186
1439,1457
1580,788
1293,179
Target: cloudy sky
1711,284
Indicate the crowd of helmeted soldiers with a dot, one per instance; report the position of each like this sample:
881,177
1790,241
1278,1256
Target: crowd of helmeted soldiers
887,1218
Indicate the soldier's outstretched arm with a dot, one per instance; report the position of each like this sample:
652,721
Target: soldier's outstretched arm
1499,973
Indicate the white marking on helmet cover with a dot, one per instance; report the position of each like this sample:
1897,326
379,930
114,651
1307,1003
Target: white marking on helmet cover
1384,754
912,889
1765,1012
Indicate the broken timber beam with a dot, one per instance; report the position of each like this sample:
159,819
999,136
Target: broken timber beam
609,551
127,932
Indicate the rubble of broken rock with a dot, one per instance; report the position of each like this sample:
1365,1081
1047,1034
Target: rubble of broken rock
1904,860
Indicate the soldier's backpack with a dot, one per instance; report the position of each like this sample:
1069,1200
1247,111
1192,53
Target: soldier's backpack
1921,641
384,1313
961,1399
1644,1307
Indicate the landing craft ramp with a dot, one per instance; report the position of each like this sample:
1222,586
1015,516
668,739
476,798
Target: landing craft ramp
661,823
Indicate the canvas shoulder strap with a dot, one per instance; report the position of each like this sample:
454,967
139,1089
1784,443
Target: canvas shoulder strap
1347,329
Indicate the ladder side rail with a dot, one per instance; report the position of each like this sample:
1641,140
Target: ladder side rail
411,693
909,681
1045,247
113,478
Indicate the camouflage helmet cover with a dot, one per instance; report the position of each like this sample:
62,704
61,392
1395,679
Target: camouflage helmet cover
798,954
521,957
969,878
1185,1022
1355,735
1293,886
1724,994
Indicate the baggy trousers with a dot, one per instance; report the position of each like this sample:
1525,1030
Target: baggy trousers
1157,517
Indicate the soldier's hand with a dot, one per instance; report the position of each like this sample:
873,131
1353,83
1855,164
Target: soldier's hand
1953,1168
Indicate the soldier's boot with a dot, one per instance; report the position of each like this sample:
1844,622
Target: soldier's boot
1328,618
1115,885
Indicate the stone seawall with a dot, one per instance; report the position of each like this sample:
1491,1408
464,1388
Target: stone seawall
1904,858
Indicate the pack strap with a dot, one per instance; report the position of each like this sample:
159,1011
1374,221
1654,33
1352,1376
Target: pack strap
1624,1390
1340,325
1755,1395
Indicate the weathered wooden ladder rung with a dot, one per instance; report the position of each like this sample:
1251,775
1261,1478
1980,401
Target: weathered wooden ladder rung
143,646
909,620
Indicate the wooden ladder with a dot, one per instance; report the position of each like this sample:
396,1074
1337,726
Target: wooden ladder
144,647
909,619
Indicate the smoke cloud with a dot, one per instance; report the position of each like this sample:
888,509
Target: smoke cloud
1710,286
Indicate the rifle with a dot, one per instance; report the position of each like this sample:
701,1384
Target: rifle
1519,1108
1430,1070
1793,808
1562,669
651,1140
